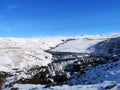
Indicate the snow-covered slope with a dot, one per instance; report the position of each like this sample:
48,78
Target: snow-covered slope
108,47
79,45
22,58
25,53
82,44
43,43
18,58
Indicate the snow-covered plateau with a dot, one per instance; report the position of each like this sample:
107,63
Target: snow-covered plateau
86,62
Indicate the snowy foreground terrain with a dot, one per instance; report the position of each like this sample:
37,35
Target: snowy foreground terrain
87,62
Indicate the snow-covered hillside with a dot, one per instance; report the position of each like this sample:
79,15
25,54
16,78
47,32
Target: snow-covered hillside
82,44
29,60
108,47
25,53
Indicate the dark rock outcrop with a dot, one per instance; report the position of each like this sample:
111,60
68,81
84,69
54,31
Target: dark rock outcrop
41,77
3,76
110,86
60,77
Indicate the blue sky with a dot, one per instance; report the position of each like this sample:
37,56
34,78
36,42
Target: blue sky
33,18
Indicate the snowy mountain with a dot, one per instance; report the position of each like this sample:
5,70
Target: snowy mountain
24,53
85,62
108,47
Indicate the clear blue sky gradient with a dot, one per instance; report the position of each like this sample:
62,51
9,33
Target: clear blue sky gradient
33,18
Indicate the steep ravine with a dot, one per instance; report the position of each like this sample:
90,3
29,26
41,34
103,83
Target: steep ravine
64,61
73,68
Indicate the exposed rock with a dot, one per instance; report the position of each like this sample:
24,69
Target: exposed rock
41,77
110,86
88,62
60,77
14,89
3,75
